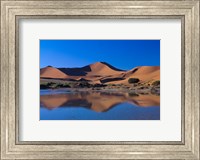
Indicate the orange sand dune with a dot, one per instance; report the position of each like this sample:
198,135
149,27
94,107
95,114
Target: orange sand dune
51,72
101,72
145,74
102,69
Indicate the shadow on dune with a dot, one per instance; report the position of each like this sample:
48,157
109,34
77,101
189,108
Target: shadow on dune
97,101
76,71
112,67
83,71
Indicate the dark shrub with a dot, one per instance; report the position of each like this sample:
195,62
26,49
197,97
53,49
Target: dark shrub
66,85
133,80
99,85
52,85
46,85
43,86
156,83
84,84
133,94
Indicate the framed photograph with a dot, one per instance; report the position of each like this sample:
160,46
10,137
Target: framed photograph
87,85
100,79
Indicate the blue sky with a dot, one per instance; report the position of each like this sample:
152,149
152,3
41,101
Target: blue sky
122,54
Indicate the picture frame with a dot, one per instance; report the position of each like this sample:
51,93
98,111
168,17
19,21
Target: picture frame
13,11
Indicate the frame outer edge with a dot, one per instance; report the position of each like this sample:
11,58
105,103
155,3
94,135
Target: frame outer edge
4,84
6,89
196,80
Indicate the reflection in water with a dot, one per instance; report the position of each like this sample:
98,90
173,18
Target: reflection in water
96,102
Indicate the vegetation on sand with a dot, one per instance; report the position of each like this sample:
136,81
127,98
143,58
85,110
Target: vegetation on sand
133,80
52,85
156,83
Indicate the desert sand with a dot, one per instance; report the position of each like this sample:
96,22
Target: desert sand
51,72
101,72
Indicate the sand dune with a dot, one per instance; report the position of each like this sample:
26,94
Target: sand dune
144,73
147,73
103,69
101,72
51,72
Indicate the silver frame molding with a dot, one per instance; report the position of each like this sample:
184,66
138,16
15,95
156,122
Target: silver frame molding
14,10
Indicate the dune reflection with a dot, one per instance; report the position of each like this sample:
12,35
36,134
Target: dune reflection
97,101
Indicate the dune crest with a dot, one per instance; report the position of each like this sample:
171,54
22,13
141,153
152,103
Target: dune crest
103,69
